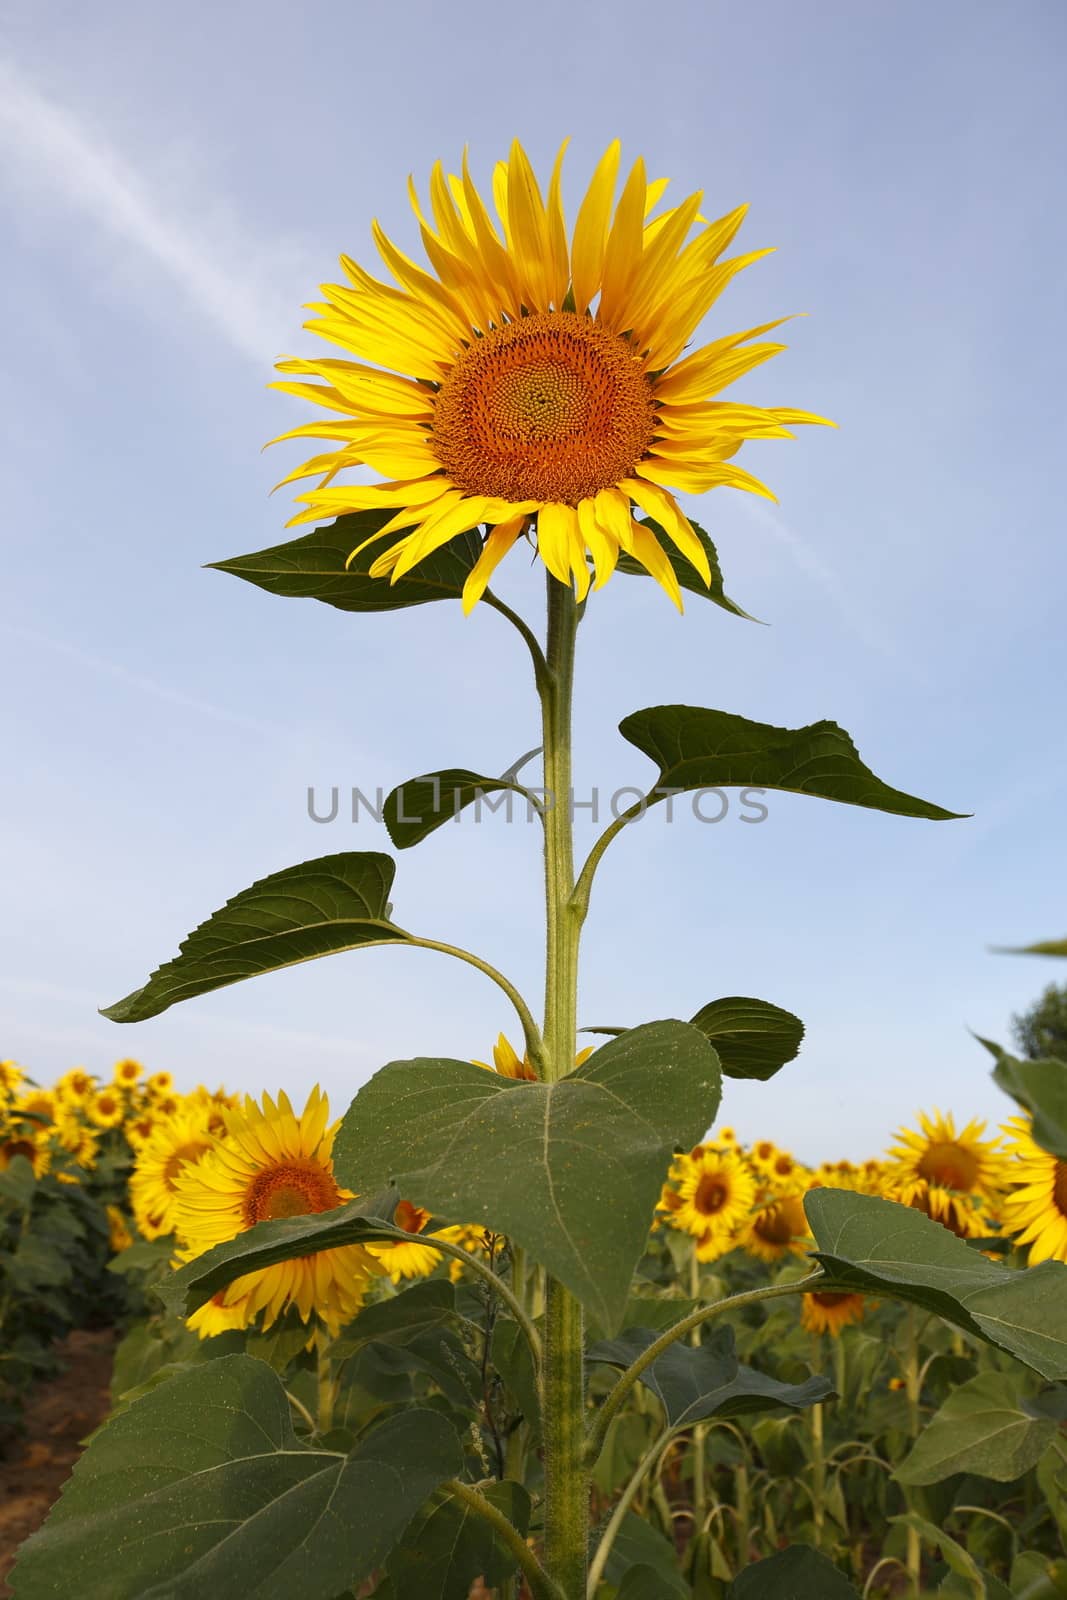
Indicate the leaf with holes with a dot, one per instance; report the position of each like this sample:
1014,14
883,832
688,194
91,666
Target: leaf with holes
569,1170
319,908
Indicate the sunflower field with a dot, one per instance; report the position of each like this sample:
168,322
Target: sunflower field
886,1439
538,1325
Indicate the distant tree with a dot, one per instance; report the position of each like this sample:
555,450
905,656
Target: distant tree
1042,1031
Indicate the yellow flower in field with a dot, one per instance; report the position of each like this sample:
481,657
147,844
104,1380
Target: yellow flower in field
762,1154
76,1086
951,1176
35,1150
166,1105
10,1077
39,1105
159,1083
171,1144
271,1164
414,1260
830,1310
78,1141
107,1108
138,1129
127,1072
509,1064
777,1227
119,1236
1036,1211
716,1191
536,380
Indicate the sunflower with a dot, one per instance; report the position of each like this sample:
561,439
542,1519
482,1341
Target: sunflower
78,1141
535,380
273,1163
951,1176
762,1154
1036,1211
830,1310
162,1155
10,1077
107,1108
75,1087
119,1237
407,1260
35,1151
777,1227
509,1064
127,1072
39,1105
716,1191
159,1083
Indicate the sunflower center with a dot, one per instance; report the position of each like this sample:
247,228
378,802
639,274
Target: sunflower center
177,1159
831,1297
552,407
711,1195
949,1165
1059,1188
290,1191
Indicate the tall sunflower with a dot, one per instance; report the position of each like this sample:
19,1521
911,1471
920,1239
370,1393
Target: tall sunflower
715,1191
272,1163
776,1228
954,1177
11,1076
1036,1211
533,380
831,1310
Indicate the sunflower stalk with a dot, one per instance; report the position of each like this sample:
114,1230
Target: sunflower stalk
566,1475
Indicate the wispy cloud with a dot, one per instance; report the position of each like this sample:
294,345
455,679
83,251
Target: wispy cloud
68,160
136,680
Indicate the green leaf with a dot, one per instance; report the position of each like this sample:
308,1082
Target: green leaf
983,1427
698,749
313,567
202,1487
1044,947
643,1583
270,1242
688,576
449,1545
336,903
975,1580
1040,1087
796,1573
881,1247
421,805
638,1544
425,1307
569,1170
753,1038
18,1183
694,1383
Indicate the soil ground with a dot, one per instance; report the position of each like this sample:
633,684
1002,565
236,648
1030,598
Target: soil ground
61,1411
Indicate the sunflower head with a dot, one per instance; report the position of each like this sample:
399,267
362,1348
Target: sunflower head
10,1077
1035,1209
163,1152
76,1086
34,1150
127,1072
954,1177
777,1227
831,1310
532,381
272,1163
107,1108
715,1192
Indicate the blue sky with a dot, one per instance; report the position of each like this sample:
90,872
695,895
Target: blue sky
176,185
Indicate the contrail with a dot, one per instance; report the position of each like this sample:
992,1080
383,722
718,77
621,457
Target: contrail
46,143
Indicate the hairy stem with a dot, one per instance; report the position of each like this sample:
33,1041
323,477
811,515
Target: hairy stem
530,1030
647,1464
566,1480
541,1585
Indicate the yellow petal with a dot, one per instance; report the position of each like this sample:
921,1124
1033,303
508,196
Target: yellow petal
554,524
591,228
657,503
494,550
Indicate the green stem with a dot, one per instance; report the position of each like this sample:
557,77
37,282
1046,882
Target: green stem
700,1432
913,1553
327,1391
540,665
566,1479
583,888
531,1032
541,1585
616,1396
647,1463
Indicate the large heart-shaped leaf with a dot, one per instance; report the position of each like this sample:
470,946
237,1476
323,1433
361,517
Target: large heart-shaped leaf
688,576
753,1039
338,902
569,1170
699,749
983,1427
796,1573
314,567
885,1248
973,1579
694,1384
448,1545
421,805
640,1547
202,1487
